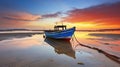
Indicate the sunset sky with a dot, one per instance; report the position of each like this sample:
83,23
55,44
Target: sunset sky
43,14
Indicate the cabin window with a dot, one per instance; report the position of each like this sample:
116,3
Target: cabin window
60,27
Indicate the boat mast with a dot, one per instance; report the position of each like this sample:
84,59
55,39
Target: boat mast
62,23
64,26
56,24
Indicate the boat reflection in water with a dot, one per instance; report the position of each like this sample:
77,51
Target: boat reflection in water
61,47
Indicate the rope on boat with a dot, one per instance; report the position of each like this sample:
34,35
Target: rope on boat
112,57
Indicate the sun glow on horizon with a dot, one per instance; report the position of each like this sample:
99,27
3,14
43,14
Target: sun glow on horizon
82,25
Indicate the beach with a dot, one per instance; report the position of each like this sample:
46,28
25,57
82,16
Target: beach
31,49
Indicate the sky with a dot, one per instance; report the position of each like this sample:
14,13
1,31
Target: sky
43,14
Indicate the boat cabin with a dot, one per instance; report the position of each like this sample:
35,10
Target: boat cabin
60,27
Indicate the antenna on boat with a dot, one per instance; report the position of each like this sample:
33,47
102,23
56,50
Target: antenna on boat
56,24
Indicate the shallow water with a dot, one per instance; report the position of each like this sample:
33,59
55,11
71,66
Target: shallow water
35,51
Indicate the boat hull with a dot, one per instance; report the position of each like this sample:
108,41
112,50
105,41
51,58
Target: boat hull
65,34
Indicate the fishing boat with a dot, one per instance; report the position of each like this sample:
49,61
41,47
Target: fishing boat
60,32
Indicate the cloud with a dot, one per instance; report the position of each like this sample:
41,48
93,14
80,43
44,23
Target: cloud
105,13
17,19
19,16
57,14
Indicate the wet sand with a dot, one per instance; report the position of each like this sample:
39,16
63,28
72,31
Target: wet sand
32,50
4,36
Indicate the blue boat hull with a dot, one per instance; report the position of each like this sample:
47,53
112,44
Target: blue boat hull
65,34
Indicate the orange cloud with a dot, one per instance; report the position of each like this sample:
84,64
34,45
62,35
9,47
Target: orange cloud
106,14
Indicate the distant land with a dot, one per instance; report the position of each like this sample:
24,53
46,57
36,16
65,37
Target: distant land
99,30
19,30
